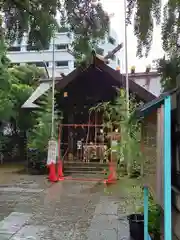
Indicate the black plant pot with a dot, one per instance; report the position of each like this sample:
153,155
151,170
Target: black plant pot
136,226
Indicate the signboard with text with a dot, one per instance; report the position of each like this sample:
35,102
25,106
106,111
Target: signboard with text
52,152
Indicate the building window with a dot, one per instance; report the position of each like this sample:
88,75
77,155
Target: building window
118,62
14,64
113,57
111,40
62,64
100,51
14,49
61,46
39,64
63,29
32,48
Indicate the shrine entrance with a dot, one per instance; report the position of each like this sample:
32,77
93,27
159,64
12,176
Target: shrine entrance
84,140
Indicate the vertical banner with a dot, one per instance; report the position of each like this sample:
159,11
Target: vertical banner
52,152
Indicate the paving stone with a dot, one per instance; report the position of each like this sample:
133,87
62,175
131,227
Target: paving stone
13,223
29,232
65,210
11,189
123,228
102,235
106,207
33,190
104,222
5,236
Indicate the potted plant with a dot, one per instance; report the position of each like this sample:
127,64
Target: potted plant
148,68
133,68
136,222
154,221
136,226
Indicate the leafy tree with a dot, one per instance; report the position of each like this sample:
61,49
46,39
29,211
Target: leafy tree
146,15
41,132
89,23
115,117
16,85
37,18
169,70
24,81
5,86
40,135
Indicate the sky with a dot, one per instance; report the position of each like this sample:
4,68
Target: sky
117,23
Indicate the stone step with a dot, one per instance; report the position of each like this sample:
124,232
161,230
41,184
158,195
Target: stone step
78,163
67,172
86,176
85,168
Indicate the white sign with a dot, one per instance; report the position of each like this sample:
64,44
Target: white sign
114,144
79,145
52,152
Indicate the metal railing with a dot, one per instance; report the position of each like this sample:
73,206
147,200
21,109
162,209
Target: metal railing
146,200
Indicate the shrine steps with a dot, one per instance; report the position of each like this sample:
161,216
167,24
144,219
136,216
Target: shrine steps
78,168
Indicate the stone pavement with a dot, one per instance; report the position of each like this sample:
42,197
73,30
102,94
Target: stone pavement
31,208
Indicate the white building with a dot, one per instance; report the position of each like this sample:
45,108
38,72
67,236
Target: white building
64,61
151,81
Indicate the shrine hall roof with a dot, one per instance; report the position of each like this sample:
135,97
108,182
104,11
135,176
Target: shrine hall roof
98,62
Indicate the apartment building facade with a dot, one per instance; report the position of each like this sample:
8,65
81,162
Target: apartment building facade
64,61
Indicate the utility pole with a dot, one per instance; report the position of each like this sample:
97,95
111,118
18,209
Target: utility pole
126,57
53,88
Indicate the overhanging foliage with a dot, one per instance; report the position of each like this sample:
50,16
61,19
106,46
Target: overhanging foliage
37,18
146,15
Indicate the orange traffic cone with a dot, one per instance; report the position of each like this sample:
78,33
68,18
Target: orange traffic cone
112,176
52,173
60,171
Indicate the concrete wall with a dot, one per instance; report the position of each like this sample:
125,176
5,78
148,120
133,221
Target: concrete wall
150,81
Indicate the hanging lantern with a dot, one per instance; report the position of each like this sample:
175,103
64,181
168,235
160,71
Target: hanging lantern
101,130
65,94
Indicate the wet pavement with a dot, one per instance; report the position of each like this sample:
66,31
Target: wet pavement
31,208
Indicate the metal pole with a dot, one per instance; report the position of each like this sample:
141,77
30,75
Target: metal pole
126,57
167,170
53,88
146,237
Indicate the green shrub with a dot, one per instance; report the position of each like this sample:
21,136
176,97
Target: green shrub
154,218
40,135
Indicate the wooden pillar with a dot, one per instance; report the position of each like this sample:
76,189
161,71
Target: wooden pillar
160,155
